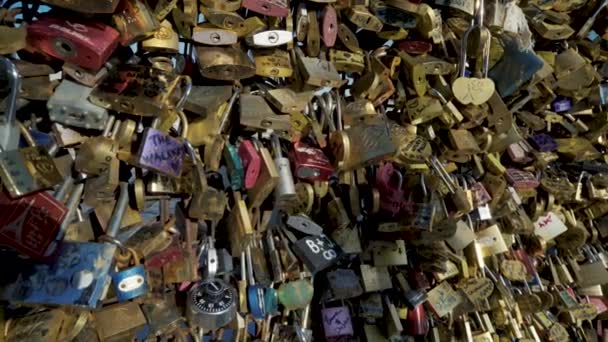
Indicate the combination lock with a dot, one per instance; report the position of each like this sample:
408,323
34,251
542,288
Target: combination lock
212,304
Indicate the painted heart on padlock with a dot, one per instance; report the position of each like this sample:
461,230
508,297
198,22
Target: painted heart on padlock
473,90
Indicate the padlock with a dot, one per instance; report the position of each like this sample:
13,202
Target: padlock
27,170
310,163
213,36
370,149
111,325
271,38
474,90
88,45
295,294
135,21
224,63
318,72
317,252
164,39
256,113
392,195
131,282
161,152
69,105
285,191
252,163
139,90
337,321
15,39
267,181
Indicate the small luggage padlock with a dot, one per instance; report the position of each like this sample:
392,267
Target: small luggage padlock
131,282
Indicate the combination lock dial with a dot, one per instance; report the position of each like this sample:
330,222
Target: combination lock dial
212,304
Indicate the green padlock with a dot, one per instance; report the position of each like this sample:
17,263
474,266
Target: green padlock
296,294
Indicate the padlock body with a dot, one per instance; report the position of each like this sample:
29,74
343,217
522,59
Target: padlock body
311,163
30,224
130,283
161,153
84,43
273,8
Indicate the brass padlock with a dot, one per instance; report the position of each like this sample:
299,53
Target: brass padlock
224,63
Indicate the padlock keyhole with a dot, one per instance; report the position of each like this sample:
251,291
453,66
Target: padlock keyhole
66,47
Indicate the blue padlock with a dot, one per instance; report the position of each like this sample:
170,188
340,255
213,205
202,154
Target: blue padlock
543,142
257,305
131,282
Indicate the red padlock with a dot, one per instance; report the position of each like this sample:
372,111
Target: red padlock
29,224
415,47
273,8
416,323
329,26
311,163
252,162
88,44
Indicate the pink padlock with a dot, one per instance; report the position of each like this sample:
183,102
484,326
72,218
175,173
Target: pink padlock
273,8
252,162
329,26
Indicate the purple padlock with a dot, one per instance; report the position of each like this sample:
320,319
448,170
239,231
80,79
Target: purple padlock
561,104
543,142
521,179
337,322
161,153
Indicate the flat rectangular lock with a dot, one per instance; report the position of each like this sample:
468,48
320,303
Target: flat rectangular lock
240,229
256,113
161,153
81,42
318,72
137,90
388,253
112,325
375,278
272,63
288,101
337,321
344,284
30,223
69,105
28,170
74,260
267,180
317,252
207,100
44,325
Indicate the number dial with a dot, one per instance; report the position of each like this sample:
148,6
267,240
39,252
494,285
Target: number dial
212,304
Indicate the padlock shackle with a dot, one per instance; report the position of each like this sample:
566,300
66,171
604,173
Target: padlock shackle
186,90
476,23
10,114
119,210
